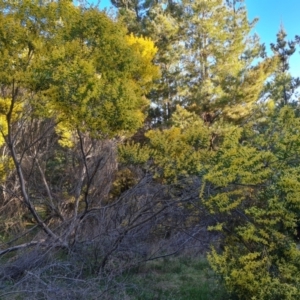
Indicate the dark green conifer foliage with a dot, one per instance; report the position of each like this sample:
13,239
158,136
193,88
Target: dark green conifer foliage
206,55
221,77
282,90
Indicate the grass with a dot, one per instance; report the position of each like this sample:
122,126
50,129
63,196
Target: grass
175,279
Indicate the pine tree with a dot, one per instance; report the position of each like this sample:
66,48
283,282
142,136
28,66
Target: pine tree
221,78
206,54
283,87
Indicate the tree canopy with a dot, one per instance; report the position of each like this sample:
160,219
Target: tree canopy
77,65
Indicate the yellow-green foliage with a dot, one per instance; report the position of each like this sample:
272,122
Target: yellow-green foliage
146,50
6,163
258,190
5,107
182,149
253,275
66,135
251,181
75,65
134,154
144,46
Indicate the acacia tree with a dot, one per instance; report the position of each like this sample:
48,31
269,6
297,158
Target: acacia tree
255,204
71,78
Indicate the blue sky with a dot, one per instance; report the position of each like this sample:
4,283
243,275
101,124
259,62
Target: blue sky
271,13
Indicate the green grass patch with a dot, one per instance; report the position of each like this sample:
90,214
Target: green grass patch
179,278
